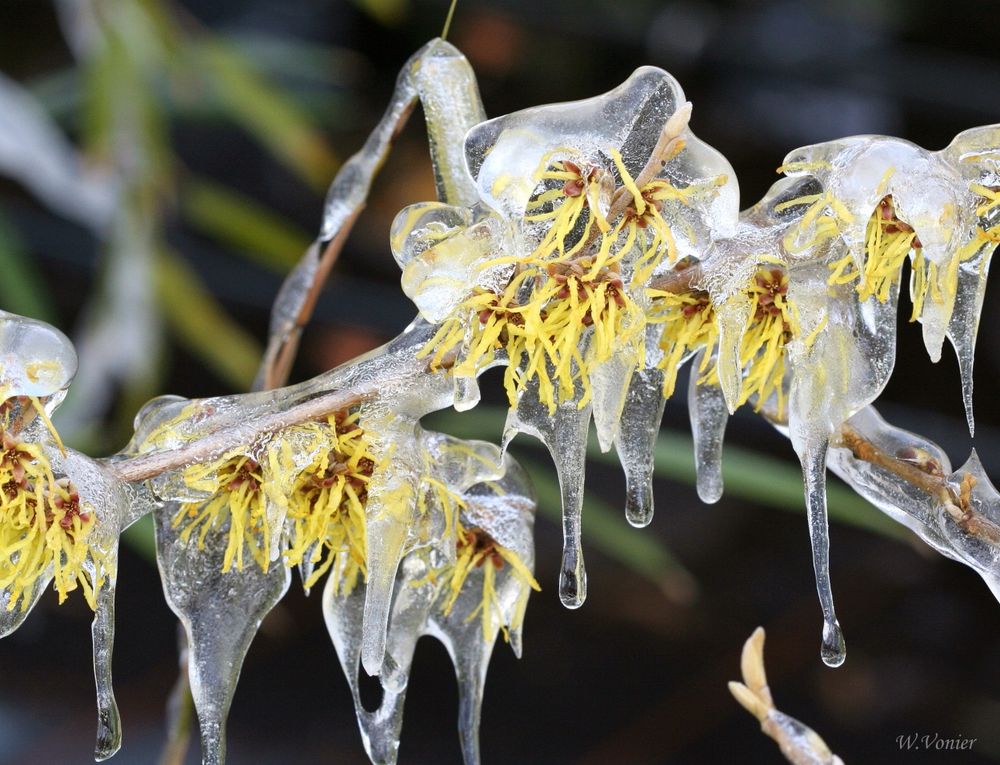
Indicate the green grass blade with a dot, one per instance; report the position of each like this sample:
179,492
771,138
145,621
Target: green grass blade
241,223
202,326
22,288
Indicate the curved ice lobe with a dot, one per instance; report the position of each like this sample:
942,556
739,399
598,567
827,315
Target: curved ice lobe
36,359
503,154
221,613
910,479
927,191
564,434
504,510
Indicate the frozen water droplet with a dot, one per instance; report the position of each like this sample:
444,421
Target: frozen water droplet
573,576
834,649
709,415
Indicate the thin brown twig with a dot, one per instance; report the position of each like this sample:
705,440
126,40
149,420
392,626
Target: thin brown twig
283,345
927,477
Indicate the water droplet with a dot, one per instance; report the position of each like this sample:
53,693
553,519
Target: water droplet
834,649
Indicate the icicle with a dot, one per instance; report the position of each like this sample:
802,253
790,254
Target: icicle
636,440
964,324
109,727
502,509
564,434
813,457
379,728
709,415
610,382
221,613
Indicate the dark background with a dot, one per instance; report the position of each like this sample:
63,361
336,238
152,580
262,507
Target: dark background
634,676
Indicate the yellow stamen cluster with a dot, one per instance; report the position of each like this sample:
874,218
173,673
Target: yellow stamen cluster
235,483
43,527
772,324
888,242
326,508
689,323
688,320
567,307
476,549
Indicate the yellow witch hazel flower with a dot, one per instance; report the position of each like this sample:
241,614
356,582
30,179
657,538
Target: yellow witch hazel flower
580,204
889,200
60,512
44,525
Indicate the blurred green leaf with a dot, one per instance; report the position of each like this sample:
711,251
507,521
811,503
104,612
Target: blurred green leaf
22,288
290,57
243,224
264,111
388,12
201,324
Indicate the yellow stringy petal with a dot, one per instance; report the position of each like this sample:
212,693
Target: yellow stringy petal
44,527
326,508
476,549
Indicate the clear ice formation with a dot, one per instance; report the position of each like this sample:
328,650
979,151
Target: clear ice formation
591,249
505,510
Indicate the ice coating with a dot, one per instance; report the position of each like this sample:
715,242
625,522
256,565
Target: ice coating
493,274
911,480
933,192
504,510
221,613
503,154
788,339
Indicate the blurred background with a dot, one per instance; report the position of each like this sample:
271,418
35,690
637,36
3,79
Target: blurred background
163,165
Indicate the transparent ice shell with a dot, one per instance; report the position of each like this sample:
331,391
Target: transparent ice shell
36,359
505,153
504,509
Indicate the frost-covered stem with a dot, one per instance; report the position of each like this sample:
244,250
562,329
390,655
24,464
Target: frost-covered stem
925,478
283,341
146,466
677,281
